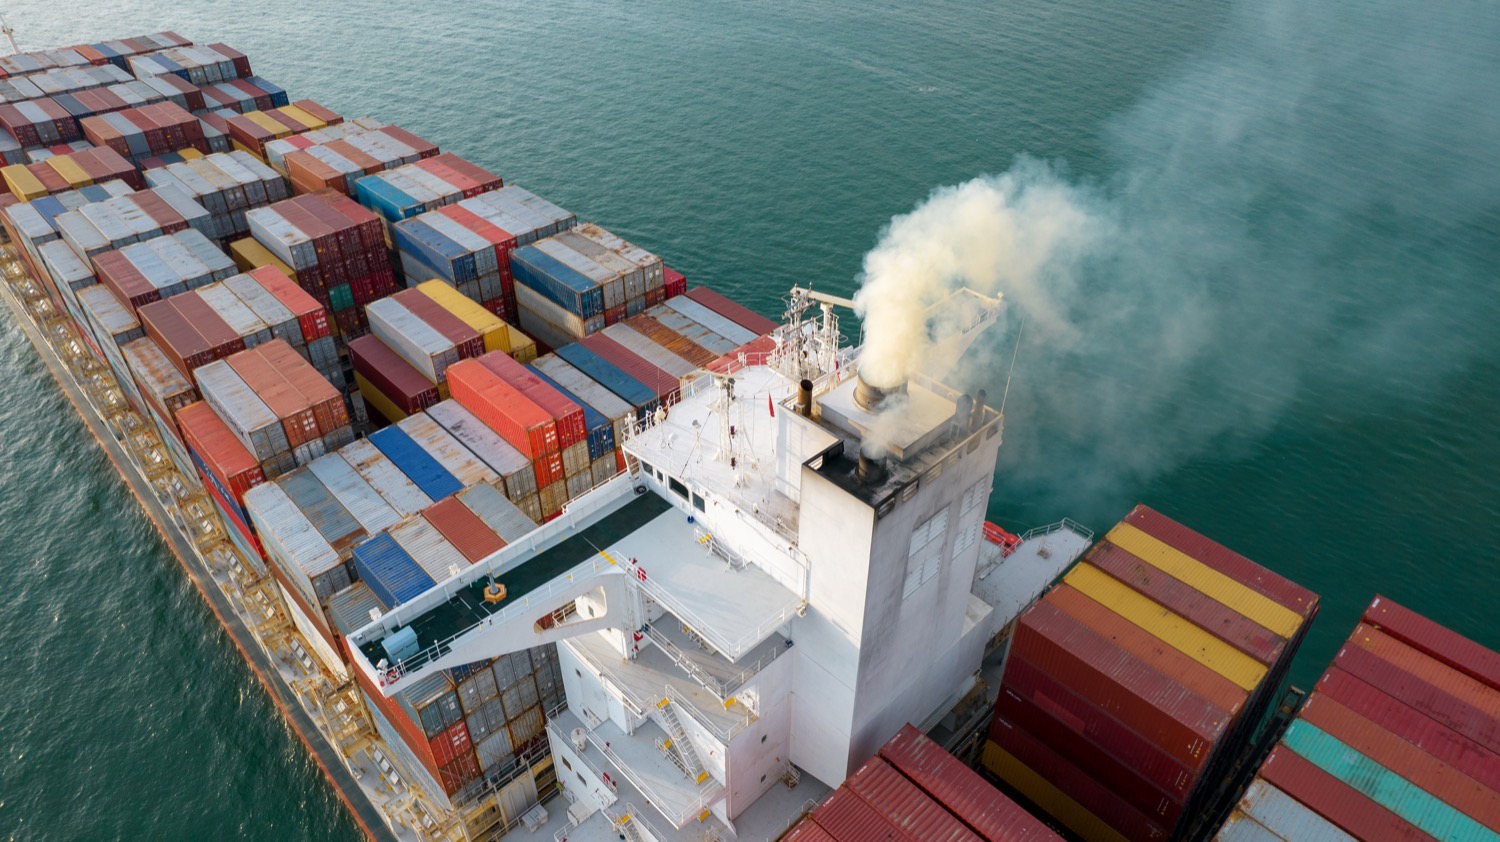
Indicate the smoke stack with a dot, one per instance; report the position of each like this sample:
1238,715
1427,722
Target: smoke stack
805,398
978,413
869,398
962,413
870,469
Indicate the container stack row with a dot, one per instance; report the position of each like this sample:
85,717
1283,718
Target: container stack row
1400,739
159,268
338,157
913,789
423,186
254,128
139,133
335,247
61,80
574,283
1133,685
72,170
200,65
469,244
106,52
30,224
227,186
111,224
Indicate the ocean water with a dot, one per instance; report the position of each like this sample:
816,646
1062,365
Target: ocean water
1296,353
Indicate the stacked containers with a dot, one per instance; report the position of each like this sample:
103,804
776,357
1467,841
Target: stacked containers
226,185
708,318
387,382
429,549
455,458
253,129
644,400
674,283
496,333
292,316
572,424
337,249
599,445
673,341
393,486
298,554
40,122
468,534
227,468
460,247
664,384
190,332
424,471
488,503
160,268
121,221
517,417
666,318
330,162
516,476
643,288
113,326
1399,740
608,404
141,132
249,254
276,150
426,185
1135,683
162,386
199,65
734,311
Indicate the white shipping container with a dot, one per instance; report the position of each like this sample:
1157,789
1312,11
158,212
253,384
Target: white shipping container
429,549
502,457
455,458
109,316
649,351
711,320
290,539
284,239
65,266
416,341
393,486
233,311
247,416
363,502
502,516
267,307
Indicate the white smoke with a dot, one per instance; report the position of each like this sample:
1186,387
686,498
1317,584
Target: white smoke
993,235
1310,207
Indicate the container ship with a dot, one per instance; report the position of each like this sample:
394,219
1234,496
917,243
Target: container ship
525,535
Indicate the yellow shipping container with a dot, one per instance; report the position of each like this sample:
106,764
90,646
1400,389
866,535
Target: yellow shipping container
270,124
249,254
1204,579
302,117
522,349
21,183
1177,632
498,336
1051,799
189,153
378,401
68,168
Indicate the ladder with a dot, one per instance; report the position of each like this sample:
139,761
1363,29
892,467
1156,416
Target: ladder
678,745
628,827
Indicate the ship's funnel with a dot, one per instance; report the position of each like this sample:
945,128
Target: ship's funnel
871,472
871,398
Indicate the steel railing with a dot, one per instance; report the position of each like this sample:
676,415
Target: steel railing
703,796
732,649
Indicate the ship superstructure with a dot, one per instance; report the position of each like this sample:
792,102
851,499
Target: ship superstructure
792,568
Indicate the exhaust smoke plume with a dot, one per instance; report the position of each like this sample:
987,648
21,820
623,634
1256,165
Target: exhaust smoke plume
1311,205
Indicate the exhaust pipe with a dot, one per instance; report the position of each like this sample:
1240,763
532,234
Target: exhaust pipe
870,398
805,398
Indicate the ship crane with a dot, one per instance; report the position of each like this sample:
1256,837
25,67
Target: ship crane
10,35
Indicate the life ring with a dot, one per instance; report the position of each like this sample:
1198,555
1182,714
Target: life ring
392,676
640,489
640,573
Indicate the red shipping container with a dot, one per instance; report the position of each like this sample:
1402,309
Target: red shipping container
504,408
330,117
1335,800
1425,693
548,468
614,315
1191,604
982,807
311,316
1452,748
1077,783
731,310
227,459
327,403
1214,688
471,179
463,529
807,830
1153,704
351,323
1119,776
1066,708
1406,760
848,817
1438,642
905,805
1398,654
673,284
572,427
424,149
1226,561
50,178
281,397
123,279
410,732
389,372
502,240
462,770
451,743
221,336
155,207
176,336
656,296
666,387
465,339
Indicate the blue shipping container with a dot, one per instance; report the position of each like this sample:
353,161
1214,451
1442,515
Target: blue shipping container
49,207
416,463
601,429
447,260
321,508
278,94
391,574
379,196
606,374
73,106
563,285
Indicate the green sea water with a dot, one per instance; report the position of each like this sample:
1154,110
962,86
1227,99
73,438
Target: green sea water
1283,334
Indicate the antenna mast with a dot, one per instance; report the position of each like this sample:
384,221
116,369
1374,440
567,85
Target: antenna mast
10,35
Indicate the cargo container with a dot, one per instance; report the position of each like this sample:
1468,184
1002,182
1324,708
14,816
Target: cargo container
468,534
182,337
572,426
390,573
120,221
248,417
158,381
711,320
685,327
294,546
150,271
732,310
393,486
146,130
226,185
388,381
511,465
356,495
495,333
428,474
608,375
455,458
588,392
429,549
283,399
667,388
504,408
491,506
424,186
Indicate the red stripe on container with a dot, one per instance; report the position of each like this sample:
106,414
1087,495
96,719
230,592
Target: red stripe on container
389,372
1226,561
1415,727
1439,642
326,401
1461,686
463,529
731,310
905,805
1439,779
465,339
849,818
572,427
1335,800
1422,695
1204,611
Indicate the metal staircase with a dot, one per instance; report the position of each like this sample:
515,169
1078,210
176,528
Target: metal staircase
678,746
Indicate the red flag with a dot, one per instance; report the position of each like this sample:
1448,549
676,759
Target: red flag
771,406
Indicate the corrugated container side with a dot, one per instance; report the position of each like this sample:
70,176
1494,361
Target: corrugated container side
735,312
428,548
426,472
391,574
1427,691
356,495
906,806
502,516
503,458
1335,800
711,320
666,387
324,511
465,531
572,427
609,376
455,458
847,817
1438,642
1277,816
503,408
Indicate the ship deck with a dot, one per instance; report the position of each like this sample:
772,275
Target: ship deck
467,608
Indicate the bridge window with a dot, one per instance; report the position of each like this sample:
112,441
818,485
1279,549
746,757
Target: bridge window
677,488
698,502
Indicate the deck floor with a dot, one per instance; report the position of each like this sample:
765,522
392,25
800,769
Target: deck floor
467,608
